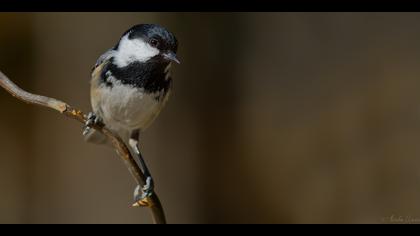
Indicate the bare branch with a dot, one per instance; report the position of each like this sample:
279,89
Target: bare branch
153,201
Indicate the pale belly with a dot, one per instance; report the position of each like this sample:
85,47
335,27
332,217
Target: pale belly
126,108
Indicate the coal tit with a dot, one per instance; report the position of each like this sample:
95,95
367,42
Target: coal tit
130,84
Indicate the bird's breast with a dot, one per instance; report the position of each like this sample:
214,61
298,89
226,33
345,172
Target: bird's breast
128,107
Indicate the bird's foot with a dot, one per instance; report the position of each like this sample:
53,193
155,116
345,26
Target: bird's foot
146,192
92,119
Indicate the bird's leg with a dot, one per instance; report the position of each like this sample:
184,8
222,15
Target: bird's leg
147,189
92,119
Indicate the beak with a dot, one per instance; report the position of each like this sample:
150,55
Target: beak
171,56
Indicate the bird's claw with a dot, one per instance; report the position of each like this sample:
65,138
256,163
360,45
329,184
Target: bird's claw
146,191
148,187
92,119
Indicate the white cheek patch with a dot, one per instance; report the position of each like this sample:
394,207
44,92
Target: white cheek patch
132,50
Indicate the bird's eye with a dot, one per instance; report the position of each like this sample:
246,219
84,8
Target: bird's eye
154,42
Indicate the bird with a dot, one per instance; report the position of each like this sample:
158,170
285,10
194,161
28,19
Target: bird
130,84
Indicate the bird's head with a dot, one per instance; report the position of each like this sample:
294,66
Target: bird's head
146,43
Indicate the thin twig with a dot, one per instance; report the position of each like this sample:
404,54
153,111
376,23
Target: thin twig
153,201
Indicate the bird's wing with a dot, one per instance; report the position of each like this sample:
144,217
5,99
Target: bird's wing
94,136
108,54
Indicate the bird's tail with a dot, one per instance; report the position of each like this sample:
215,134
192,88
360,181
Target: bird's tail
96,137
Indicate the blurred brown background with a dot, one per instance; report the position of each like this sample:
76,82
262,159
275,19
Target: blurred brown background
275,118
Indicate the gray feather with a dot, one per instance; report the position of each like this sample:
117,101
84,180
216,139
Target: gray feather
106,56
